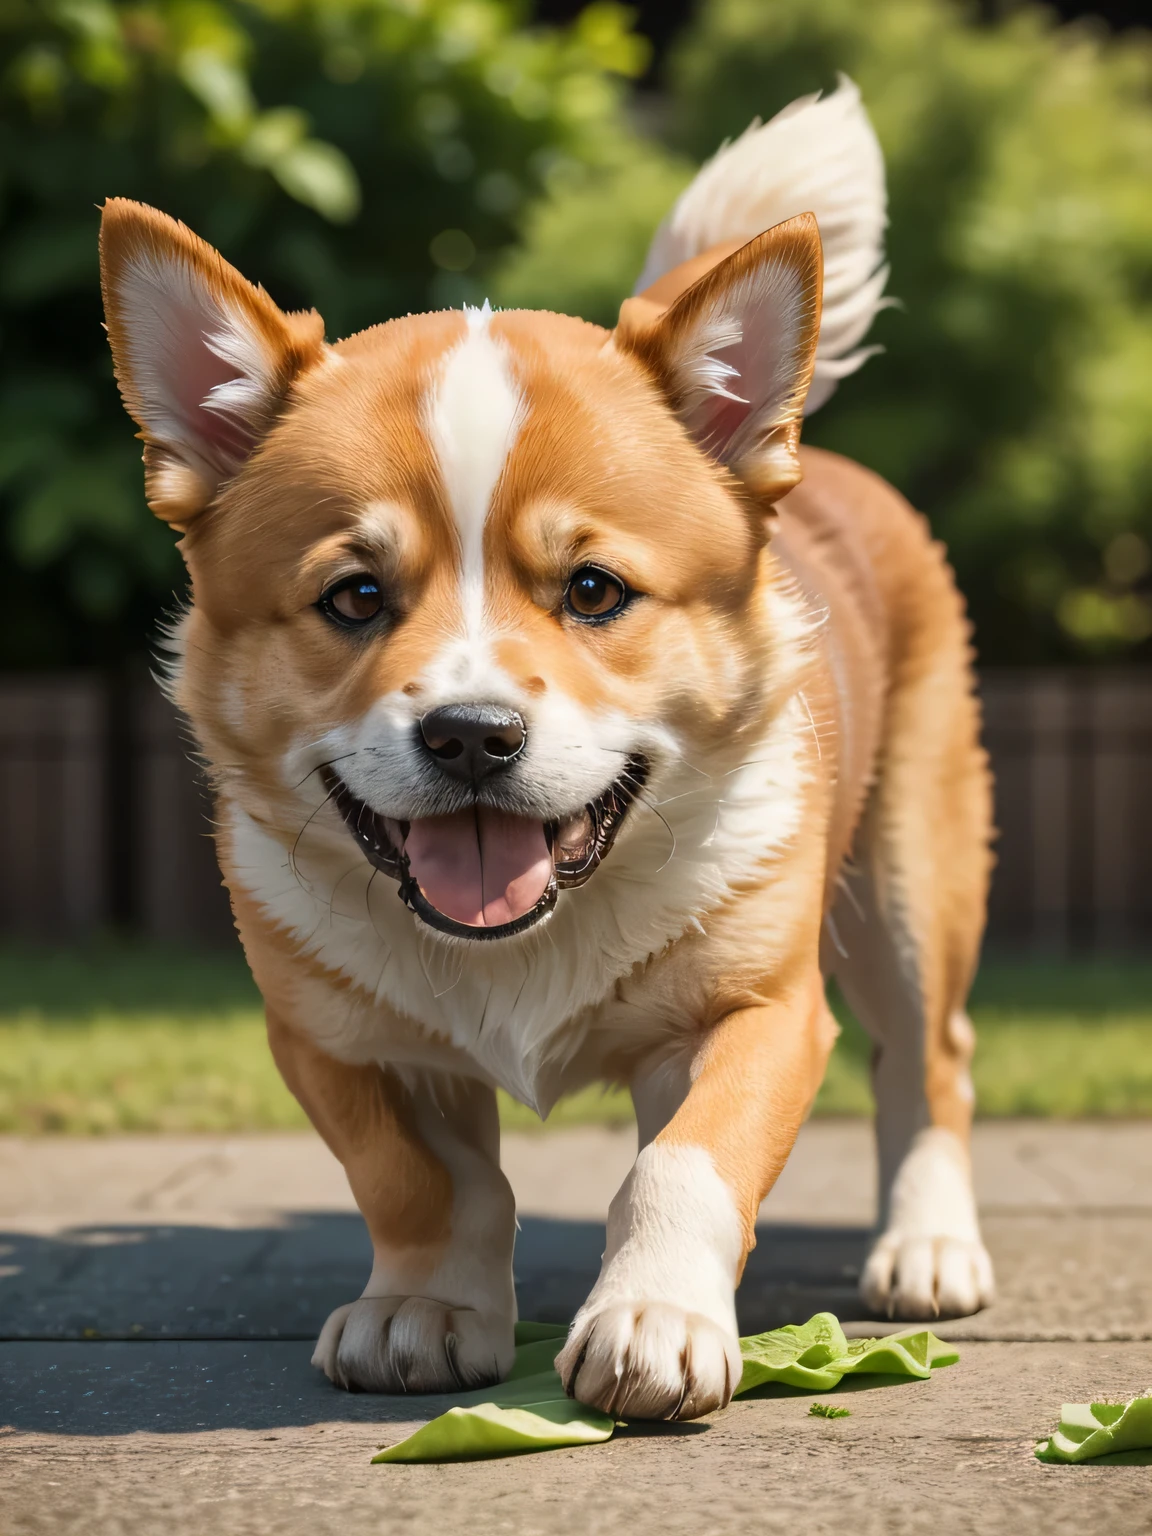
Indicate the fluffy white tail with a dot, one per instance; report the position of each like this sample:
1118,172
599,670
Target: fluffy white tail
819,155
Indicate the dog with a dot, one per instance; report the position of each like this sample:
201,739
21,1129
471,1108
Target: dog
568,722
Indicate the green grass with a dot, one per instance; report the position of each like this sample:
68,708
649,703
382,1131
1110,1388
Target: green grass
143,1038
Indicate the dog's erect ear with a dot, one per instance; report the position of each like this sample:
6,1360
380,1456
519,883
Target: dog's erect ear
204,360
734,352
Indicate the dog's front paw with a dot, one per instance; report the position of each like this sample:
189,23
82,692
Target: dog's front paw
411,1344
919,1276
649,1360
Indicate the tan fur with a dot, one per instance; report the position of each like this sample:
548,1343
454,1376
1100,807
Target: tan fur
293,342
652,334
403,1190
821,626
766,1064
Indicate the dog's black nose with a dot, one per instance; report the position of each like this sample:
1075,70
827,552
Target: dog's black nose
470,741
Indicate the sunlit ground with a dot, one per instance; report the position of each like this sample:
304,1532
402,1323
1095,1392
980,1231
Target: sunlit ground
147,1038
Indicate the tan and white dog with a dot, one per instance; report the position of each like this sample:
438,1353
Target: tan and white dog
569,723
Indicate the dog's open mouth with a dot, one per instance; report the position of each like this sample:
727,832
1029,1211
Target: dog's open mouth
485,873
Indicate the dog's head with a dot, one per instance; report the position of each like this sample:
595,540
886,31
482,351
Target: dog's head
477,578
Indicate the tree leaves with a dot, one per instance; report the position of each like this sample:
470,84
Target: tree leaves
324,145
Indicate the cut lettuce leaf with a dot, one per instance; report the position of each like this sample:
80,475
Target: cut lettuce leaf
530,1411
1120,1431
487,1429
815,1356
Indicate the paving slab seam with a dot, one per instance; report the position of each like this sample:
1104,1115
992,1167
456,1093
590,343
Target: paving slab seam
1055,1212
882,1329
159,1338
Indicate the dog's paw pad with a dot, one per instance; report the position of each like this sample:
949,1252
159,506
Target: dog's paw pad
412,1344
920,1277
649,1360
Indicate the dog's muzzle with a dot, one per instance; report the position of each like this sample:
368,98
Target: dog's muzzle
484,873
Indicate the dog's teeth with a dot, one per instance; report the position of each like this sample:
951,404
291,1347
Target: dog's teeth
573,836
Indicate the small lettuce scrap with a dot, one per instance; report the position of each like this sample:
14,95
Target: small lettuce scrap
1122,1432
530,1411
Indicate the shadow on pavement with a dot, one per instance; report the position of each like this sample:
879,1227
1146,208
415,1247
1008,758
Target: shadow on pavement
278,1279
108,1330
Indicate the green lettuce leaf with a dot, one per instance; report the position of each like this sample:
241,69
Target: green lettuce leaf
914,1352
530,1411
815,1356
487,1429
1120,1431
801,1355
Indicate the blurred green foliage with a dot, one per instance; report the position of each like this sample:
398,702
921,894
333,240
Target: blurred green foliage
368,157
1013,402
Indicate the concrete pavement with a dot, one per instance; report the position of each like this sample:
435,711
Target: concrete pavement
158,1298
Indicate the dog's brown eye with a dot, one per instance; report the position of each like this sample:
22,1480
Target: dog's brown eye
594,594
354,601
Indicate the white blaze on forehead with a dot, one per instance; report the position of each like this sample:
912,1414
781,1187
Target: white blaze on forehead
474,414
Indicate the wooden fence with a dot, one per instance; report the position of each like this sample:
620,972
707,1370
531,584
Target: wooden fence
1072,754
103,823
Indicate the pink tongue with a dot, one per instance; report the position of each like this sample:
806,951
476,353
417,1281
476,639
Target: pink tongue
481,867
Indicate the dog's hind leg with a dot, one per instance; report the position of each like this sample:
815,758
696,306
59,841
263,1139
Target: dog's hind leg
423,1160
903,942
